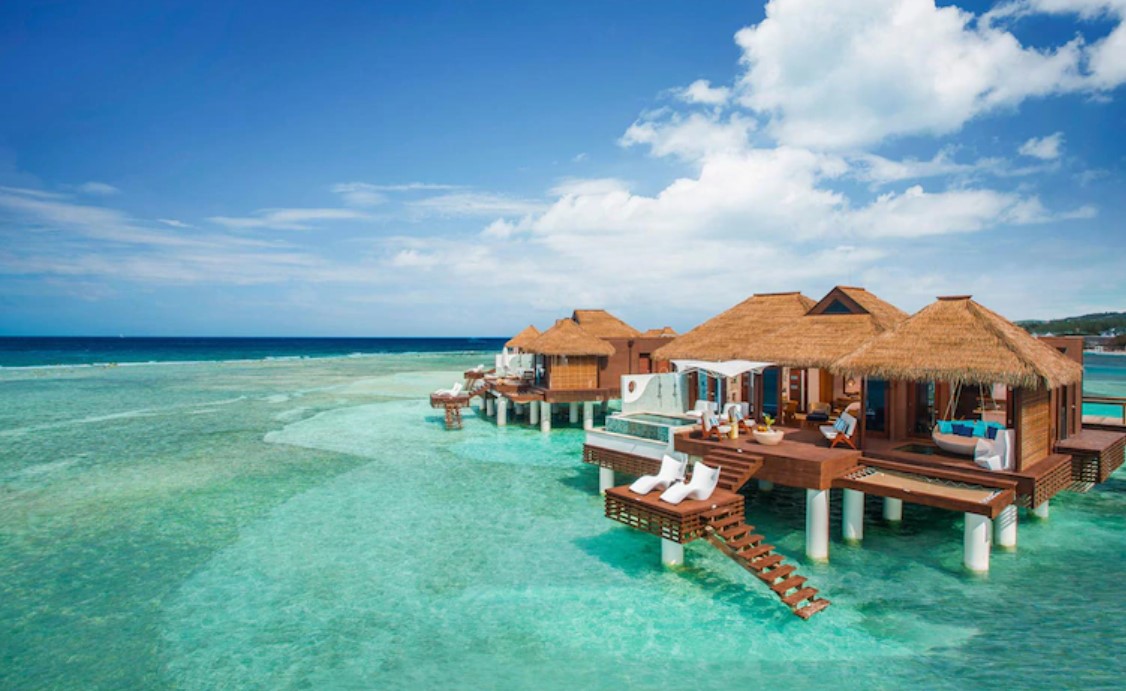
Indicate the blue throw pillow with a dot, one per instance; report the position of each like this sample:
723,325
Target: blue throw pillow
841,425
963,430
945,427
991,432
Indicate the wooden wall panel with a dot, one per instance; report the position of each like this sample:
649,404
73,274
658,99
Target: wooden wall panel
1035,423
574,373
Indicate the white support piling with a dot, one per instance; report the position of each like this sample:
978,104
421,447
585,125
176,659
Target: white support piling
672,553
976,542
605,479
545,416
1005,528
893,509
502,411
1042,511
534,413
765,486
817,524
588,415
490,406
852,516
572,412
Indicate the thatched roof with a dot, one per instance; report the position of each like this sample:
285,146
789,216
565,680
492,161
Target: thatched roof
736,333
820,338
568,338
602,324
957,340
665,332
522,339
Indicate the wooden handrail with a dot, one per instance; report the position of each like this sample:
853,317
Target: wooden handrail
1119,401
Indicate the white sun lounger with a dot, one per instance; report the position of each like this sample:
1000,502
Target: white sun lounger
452,391
702,406
672,470
701,486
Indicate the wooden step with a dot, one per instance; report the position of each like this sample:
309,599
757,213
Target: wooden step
791,582
767,562
803,594
755,552
745,541
729,535
812,608
775,574
755,537
721,524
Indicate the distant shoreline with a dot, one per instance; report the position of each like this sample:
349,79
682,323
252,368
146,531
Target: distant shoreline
1115,353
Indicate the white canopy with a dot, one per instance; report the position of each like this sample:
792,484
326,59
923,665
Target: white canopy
725,368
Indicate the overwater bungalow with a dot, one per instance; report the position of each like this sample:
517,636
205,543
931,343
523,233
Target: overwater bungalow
953,407
736,334
578,362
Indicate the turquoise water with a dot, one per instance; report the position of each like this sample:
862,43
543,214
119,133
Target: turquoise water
310,524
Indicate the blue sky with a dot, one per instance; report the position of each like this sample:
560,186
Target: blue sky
467,168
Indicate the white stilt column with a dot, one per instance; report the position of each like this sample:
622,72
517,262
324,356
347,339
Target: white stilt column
765,485
545,416
534,413
502,411
1005,528
588,415
817,524
572,413
852,516
490,406
1042,511
672,553
893,509
605,479
976,542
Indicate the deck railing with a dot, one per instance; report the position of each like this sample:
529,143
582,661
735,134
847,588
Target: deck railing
1119,401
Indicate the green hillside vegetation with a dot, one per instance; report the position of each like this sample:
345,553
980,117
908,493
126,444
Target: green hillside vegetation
1085,325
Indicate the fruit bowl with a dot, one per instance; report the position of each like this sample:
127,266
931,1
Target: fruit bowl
770,438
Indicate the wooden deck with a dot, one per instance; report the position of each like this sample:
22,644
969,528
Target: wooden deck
683,522
799,461
1096,454
1035,485
943,489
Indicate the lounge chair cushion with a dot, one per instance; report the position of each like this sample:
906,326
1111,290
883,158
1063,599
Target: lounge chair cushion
979,428
945,427
817,416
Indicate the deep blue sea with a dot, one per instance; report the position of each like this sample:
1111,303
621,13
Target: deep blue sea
275,514
47,351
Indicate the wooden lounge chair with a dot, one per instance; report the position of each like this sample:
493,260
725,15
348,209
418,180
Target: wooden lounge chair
712,428
735,415
841,431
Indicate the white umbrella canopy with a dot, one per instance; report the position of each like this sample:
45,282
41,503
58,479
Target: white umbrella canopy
723,368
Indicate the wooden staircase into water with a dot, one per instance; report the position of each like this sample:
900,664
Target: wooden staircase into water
729,533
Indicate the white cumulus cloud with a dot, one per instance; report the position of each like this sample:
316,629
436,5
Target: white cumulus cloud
1045,148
